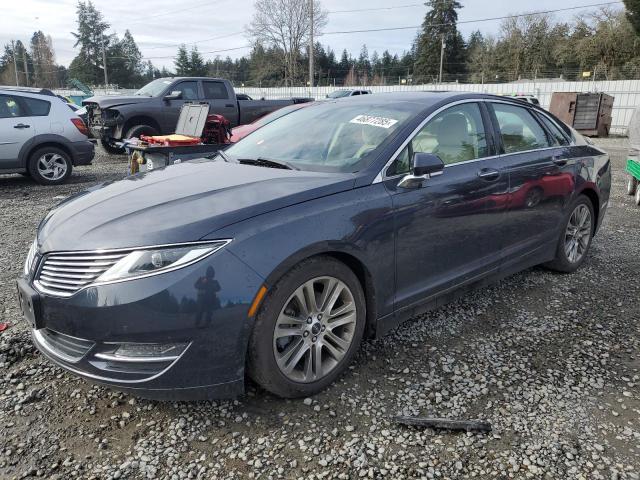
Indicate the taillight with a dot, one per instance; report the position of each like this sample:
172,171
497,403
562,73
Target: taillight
82,128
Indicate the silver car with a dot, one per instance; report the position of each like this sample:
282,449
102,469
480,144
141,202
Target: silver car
40,136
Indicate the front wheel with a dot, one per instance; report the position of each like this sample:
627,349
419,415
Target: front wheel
308,329
576,236
632,185
111,147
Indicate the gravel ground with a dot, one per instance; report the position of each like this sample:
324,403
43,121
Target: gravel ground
550,360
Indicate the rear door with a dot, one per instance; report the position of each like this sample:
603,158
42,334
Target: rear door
541,179
15,130
219,99
448,232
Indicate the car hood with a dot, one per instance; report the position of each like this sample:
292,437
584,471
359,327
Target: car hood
180,203
105,101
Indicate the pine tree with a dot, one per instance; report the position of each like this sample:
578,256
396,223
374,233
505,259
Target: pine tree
182,62
440,23
196,64
92,38
633,14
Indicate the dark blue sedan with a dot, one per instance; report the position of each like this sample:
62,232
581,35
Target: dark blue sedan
332,223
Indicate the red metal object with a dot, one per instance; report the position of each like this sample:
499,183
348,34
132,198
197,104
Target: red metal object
217,129
172,140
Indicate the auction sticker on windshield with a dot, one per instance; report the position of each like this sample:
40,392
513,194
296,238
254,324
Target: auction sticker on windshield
374,121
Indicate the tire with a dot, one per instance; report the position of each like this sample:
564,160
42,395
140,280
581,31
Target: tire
50,166
637,197
563,261
110,147
305,378
632,185
138,130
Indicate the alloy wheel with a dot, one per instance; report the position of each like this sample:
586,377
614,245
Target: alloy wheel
315,329
52,166
578,233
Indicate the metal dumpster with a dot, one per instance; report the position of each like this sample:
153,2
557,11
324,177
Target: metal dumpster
588,113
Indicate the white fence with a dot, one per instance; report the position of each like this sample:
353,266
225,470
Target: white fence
626,93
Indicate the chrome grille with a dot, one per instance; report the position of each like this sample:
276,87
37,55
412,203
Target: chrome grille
64,274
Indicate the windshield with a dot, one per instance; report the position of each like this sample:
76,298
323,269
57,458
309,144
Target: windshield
154,88
339,94
333,137
281,112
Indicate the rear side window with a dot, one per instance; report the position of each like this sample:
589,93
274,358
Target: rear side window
10,108
215,90
519,130
556,135
37,108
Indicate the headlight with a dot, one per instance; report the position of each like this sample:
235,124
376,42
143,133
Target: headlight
142,263
28,263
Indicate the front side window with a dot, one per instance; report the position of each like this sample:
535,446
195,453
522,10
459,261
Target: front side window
456,135
215,91
339,137
189,90
10,108
37,108
519,129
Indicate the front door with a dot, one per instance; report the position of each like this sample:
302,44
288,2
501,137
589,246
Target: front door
188,93
541,179
15,130
448,231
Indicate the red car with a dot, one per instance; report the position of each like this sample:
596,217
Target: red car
241,131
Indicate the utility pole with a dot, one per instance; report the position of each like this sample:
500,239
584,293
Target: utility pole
311,45
441,57
15,62
104,63
26,67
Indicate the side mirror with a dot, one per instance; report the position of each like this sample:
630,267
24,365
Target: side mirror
175,95
424,165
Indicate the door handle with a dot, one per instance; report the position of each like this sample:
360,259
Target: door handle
21,125
489,174
230,105
559,161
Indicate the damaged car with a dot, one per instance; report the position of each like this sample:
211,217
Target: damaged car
274,259
155,108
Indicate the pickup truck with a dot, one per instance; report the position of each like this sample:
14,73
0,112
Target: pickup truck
154,109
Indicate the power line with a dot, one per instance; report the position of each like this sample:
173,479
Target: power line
195,42
542,12
378,8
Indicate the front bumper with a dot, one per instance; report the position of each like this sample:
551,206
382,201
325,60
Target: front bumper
80,333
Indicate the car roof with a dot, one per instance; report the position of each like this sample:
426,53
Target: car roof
37,91
428,98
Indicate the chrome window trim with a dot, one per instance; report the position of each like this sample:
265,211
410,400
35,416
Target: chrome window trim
42,289
381,176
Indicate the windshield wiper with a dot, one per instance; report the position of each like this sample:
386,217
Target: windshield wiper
224,156
265,162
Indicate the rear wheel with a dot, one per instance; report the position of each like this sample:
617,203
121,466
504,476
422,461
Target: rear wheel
50,166
576,236
308,328
632,185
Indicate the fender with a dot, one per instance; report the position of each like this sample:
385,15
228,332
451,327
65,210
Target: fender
34,142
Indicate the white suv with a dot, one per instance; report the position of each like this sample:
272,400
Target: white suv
40,135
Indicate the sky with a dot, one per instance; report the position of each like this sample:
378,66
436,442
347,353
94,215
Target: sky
158,26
